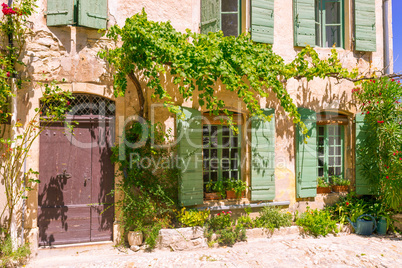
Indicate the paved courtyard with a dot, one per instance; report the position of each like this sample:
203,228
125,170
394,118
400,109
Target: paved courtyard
281,251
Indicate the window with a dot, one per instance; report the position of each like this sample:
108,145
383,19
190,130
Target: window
230,17
330,150
222,15
329,23
221,153
86,13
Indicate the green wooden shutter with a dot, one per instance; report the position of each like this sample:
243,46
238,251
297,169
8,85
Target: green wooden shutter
189,138
263,158
210,16
304,22
362,133
262,21
92,13
306,155
60,12
365,30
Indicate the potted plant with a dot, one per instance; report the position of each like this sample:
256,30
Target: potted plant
220,188
210,193
339,184
235,188
323,187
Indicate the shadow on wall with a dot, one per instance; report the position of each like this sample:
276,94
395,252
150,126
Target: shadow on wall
51,207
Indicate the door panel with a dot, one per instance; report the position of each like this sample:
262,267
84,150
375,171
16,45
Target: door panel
75,179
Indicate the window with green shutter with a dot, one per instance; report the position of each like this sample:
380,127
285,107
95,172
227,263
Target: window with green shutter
365,28
224,15
86,13
319,23
221,154
306,155
329,29
330,146
263,157
262,21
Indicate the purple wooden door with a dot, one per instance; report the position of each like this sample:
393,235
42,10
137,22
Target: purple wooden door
76,177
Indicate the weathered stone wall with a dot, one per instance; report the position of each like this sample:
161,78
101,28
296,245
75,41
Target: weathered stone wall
70,53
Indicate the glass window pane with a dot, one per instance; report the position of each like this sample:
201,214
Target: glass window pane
331,150
321,172
330,171
331,140
205,140
214,141
321,141
213,130
331,130
225,131
321,161
338,150
214,153
229,5
320,151
225,141
233,164
206,164
333,36
234,174
321,131
332,13
214,176
206,177
331,161
225,164
235,142
205,130
338,171
230,24
338,161
225,175
338,140
214,164
233,153
225,153
338,130
206,153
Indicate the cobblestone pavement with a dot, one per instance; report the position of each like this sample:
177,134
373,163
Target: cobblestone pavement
286,251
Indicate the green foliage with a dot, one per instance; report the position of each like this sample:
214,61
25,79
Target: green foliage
14,28
220,221
10,257
322,182
198,61
220,188
148,188
273,217
351,206
338,181
317,222
238,186
245,220
14,151
190,218
380,101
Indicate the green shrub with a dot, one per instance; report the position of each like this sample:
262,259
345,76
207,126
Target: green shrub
273,217
317,222
190,218
10,257
220,221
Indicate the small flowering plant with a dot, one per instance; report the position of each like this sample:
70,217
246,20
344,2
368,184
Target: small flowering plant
221,221
380,102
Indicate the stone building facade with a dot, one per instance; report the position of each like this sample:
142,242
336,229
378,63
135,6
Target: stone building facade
59,48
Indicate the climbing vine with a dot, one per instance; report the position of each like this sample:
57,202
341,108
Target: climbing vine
198,61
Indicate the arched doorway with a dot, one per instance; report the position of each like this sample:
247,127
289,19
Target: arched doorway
76,174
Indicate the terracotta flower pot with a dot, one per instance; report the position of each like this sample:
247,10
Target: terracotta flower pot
212,196
323,190
338,189
232,195
135,238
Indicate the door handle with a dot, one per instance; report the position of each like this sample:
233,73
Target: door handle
64,175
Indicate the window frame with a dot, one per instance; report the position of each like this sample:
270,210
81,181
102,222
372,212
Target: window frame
319,8
326,150
219,156
239,16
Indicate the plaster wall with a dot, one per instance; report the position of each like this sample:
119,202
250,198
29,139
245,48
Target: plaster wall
70,53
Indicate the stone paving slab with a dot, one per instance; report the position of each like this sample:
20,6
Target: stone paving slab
286,251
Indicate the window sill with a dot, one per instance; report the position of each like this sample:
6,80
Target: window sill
226,204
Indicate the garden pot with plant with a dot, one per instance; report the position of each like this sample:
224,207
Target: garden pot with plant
135,238
339,184
212,191
323,187
235,189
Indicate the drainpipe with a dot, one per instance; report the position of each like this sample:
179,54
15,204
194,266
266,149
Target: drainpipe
386,36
